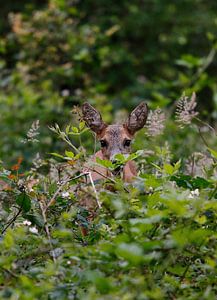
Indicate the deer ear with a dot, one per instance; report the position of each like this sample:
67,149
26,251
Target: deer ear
137,118
93,118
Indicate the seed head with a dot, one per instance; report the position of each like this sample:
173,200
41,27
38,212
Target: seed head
185,110
155,122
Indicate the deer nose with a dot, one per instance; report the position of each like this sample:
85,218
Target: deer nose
114,161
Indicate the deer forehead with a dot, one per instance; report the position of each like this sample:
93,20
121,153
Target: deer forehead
115,133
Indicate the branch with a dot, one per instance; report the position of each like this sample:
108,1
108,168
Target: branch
12,220
47,229
94,189
52,200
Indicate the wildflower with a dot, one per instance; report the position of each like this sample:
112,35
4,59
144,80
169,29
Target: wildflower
27,223
185,110
37,161
65,194
20,159
32,133
65,93
150,190
33,230
155,122
194,194
15,167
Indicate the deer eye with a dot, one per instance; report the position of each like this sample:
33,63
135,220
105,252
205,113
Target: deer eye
127,143
103,143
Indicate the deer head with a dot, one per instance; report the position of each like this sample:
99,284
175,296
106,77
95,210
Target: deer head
116,138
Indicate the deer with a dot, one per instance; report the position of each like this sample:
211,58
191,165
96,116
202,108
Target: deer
114,139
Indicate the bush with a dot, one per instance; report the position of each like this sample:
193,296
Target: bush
152,239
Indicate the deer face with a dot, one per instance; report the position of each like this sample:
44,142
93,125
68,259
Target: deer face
115,139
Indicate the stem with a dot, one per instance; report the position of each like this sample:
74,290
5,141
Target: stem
213,193
106,177
52,200
206,124
47,229
207,62
185,272
94,189
9,272
12,220
202,137
192,166
66,139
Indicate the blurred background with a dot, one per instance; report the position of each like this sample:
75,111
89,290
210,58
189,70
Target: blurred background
56,54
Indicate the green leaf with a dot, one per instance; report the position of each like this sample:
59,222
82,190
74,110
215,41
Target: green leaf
213,152
131,252
81,125
35,218
156,166
120,157
189,182
74,129
67,129
69,154
169,169
104,163
57,155
102,283
24,201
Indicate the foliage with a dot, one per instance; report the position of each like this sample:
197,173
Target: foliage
152,239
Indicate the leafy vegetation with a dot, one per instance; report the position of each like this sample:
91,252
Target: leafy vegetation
154,238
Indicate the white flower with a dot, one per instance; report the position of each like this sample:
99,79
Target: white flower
65,93
65,194
194,194
33,230
150,189
27,223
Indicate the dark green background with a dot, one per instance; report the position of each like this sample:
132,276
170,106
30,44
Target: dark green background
56,54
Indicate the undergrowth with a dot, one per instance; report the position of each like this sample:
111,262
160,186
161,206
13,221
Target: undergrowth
152,239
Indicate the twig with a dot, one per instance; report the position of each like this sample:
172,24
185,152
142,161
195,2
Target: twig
206,124
207,62
192,165
52,200
105,176
202,137
9,272
94,189
47,229
12,220
67,140
213,193
154,231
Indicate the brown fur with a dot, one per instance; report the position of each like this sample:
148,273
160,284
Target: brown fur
115,139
